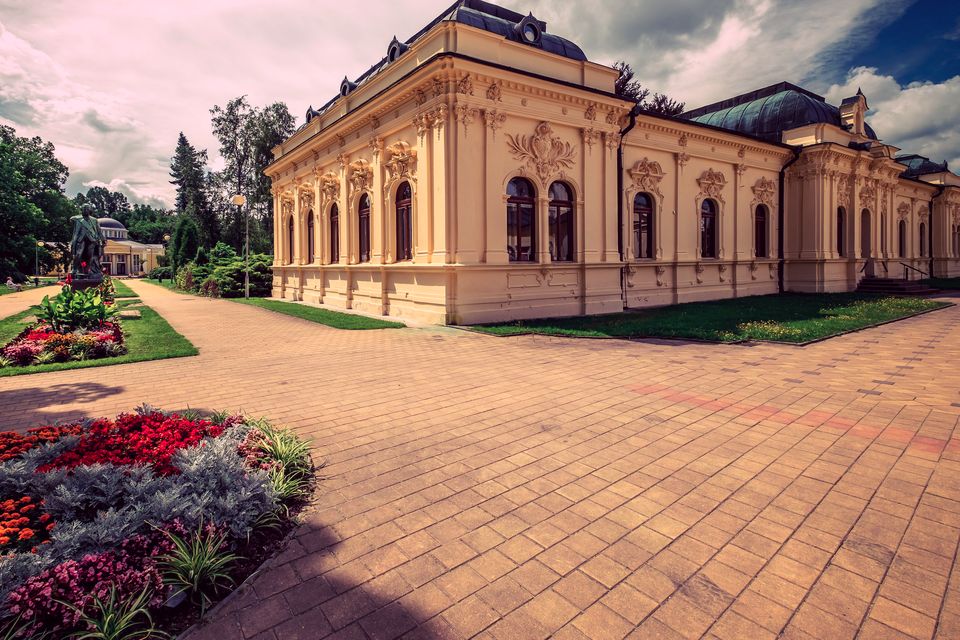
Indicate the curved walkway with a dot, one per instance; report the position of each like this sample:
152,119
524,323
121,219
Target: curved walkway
533,487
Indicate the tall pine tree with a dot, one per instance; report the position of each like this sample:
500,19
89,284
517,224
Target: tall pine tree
189,173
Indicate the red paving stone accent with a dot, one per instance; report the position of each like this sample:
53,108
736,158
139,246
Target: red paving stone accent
539,487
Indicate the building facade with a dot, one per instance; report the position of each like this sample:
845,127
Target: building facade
484,170
123,256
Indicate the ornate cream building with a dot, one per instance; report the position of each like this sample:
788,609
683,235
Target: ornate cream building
485,170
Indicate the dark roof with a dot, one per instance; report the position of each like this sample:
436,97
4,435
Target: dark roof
918,165
482,15
766,113
110,223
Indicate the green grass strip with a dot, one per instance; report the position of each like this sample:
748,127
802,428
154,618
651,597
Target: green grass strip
794,318
167,283
123,291
148,338
322,316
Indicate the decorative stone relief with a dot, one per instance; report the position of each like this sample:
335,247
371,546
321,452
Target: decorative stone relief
683,159
844,191
646,175
591,112
330,186
376,145
612,140
494,92
465,114
682,141
659,270
740,168
374,122
903,211
543,152
341,140
342,161
711,184
611,117
754,267
698,268
772,268
465,85
590,136
439,87
361,175
868,197
494,120
402,159
764,191
419,97
723,272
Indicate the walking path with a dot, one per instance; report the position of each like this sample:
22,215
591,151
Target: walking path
533,487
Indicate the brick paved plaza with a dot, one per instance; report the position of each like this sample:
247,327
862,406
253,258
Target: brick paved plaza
533,487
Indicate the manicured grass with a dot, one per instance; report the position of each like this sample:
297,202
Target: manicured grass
322,316
43,283
788,318
148,338
169,284
123,291
943,283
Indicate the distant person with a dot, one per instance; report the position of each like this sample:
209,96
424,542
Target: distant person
12,285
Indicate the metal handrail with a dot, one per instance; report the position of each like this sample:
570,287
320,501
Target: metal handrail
907,266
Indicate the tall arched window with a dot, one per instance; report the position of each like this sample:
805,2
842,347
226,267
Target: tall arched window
404,222
708,229
760,230
521,221
290,240
902,239
841,232
883,234
363,215
923,240
643,226
310,238
561,223
334,234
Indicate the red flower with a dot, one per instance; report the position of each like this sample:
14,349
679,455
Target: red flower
83,264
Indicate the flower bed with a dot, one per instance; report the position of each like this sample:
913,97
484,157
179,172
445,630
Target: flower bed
154,515
74,325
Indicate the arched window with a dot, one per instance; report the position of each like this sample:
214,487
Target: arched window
923,240
290,240
521,217
561,223
364,228
841,232
643,226
883,234
310,238
760,231
334,234
902,239
404,222
708,229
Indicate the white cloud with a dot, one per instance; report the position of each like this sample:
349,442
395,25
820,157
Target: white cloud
922,117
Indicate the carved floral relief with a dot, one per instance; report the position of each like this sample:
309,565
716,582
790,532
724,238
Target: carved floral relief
544,153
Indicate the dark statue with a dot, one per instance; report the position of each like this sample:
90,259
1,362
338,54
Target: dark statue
86,245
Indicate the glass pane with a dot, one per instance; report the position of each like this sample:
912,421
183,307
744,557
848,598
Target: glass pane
525,232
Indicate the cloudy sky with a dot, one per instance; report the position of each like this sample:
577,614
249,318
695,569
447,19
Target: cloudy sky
111,83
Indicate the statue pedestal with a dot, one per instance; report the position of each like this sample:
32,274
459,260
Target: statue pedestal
85,281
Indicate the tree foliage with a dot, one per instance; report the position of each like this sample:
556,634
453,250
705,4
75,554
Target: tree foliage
247,135
32,203
188,170
629,88
185,241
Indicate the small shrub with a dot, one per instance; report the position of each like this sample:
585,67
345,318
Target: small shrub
198,565
185,279
118,618
210,288
72,309
161,273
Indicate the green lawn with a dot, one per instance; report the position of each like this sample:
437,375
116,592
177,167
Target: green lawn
943,283
792,318
26,287
147,338
168,283
322,316
123,291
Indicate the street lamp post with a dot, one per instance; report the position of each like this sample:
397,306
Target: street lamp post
36,263
241,200
166,239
